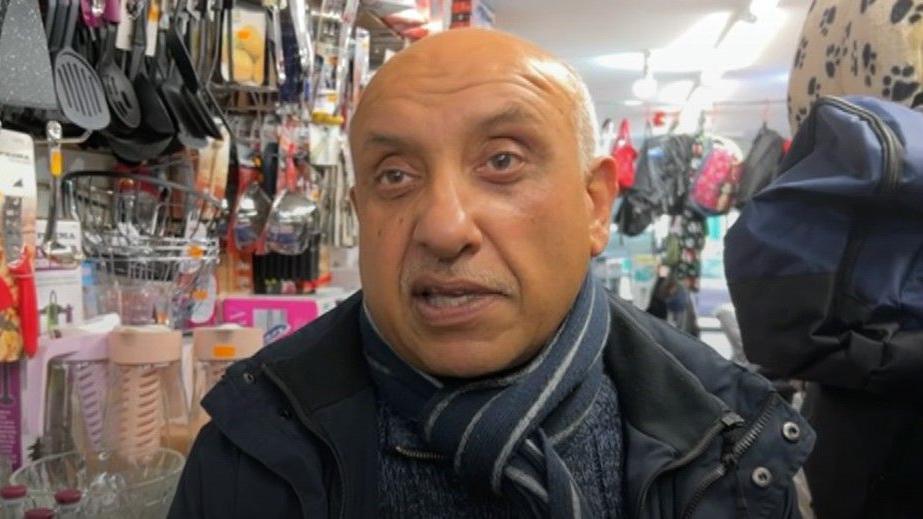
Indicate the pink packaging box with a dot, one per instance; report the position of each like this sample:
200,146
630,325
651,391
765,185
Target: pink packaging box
278,316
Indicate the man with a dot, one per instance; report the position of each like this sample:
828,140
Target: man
481,372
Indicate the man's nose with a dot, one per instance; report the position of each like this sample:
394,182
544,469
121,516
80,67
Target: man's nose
445,226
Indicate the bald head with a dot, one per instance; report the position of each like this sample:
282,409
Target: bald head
460,56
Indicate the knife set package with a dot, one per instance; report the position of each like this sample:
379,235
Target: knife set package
18,311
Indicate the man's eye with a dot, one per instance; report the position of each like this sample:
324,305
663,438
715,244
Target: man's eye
504,161
392,177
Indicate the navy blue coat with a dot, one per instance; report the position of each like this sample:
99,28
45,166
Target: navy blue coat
294,432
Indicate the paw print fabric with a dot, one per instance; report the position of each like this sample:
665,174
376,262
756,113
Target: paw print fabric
868,47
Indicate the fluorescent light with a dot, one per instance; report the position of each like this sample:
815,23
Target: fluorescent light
621,61
633,102
687,53
761,8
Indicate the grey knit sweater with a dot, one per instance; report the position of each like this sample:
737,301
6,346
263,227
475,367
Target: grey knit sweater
412,484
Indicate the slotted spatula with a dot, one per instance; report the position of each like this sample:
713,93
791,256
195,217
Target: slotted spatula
80,93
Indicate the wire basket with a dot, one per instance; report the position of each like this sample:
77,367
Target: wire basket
148,242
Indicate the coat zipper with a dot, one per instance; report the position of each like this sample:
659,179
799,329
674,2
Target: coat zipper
729,420
338,479
731,458
891,148
415,454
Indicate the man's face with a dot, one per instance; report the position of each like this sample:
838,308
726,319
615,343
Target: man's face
477,218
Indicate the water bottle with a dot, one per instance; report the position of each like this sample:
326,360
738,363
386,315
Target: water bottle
68,501
40,513
14,501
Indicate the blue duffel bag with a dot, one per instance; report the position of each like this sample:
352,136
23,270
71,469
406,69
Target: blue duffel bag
825,265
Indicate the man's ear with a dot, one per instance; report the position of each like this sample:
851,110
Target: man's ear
602,190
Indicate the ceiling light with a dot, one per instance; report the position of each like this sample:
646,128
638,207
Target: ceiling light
675,92
633,102
761,8
645,87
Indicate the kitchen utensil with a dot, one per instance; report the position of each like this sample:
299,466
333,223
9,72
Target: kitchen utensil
54,250
293,216
80,94
301,21
92,12
113,11
275,36
12,227
70,389
155,116
190,84
138,148
124,106
50,11
251,213
25,68
147,406
24,274
188,132
215,348
109,491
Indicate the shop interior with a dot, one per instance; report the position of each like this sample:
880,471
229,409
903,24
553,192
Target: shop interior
174,195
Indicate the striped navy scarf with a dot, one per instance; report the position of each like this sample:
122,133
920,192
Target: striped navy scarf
501,433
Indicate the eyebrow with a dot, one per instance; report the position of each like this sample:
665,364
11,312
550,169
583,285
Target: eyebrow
514,113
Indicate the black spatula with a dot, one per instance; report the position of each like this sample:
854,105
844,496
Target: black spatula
123,102
80,94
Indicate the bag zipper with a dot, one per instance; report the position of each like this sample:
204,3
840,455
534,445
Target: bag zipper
730,459
338,477
891,149
728,421
891,144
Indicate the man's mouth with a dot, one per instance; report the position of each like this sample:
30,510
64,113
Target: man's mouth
451,301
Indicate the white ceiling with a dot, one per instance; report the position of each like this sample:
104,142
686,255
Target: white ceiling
579,31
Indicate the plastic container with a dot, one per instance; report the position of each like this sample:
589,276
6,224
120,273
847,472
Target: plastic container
68,503
40,513
15,501
147,407
214,349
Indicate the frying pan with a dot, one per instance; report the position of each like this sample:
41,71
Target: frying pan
80,94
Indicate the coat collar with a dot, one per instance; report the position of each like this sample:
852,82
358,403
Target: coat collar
665,408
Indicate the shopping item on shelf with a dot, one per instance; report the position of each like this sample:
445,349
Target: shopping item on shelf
215,348
25,71
277,316
714,188
761,166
